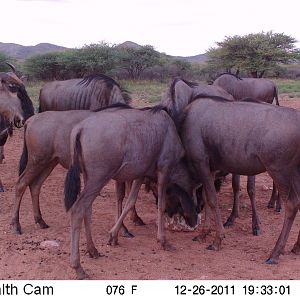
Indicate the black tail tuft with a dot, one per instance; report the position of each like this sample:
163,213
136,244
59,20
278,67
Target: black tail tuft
24,156
72,181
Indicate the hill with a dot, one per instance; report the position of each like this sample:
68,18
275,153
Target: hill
21,52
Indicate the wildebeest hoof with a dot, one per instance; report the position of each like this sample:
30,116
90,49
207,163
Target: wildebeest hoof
271,261
213,247
198,238
270,205
228,223
168,247
42,224
2,189
113,241
278,209
93,253
16,228
296,249
202,236
127,234
138,221
81,274
256,231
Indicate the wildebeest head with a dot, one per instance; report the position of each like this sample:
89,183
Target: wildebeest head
13,97
180,195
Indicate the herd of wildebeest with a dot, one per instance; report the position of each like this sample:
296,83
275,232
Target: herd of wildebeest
180,148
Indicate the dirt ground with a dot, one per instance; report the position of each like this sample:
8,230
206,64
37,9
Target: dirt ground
241,257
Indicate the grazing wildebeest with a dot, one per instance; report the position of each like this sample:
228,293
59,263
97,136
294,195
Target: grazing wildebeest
91,92
240,88
145,144
15,107
46,142
179,95
245,138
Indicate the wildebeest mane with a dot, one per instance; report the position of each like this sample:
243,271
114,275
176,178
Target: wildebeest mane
248,99
110,83
119,105
26,103
172,87
215,98
226,73
182,117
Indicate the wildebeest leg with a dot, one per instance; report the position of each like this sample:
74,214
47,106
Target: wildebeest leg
113,234
251,192
211,196
1,154
28,177
35,189
236,201
289,189
206,229
296,248
90,246
290,214
134,217
1,186
161,190
120,192
275,199
78,212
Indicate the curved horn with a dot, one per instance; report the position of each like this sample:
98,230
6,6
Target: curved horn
12,67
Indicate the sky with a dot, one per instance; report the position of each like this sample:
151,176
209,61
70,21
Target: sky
175,27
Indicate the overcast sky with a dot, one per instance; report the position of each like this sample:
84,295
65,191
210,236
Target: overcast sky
176,27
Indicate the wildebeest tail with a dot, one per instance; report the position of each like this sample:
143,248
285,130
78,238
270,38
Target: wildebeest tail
276,95
72,181
24,156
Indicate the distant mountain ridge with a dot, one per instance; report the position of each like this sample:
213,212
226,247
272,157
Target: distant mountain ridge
21,52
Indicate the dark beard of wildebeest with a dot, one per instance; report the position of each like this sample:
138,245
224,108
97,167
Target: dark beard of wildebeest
46,135
15,99
150,147
245,138
259,89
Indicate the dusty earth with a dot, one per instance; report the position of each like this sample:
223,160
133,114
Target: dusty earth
242,256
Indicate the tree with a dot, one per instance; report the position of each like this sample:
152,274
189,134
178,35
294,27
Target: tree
136,60
253,53
3,59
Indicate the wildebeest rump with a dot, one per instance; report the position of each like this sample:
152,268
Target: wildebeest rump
245,138
91,92
145,144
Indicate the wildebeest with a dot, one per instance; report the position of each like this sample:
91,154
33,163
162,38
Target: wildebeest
260,89
179,95
145,144
240,88
46,140
15,107
245,138
91,92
